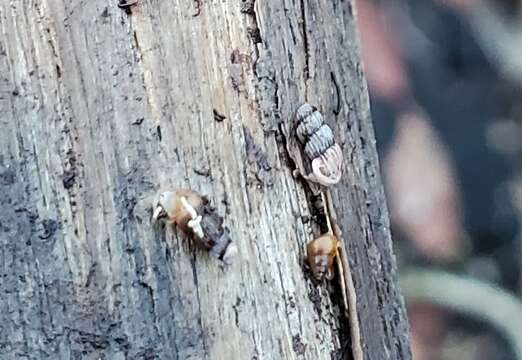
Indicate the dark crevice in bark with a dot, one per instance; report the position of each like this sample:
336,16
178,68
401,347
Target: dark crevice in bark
337,108
304,29
197,5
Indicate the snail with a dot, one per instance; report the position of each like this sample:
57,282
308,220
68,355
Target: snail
320,254
311,145
192,214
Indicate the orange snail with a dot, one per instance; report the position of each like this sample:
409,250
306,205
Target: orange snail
321,253
192,214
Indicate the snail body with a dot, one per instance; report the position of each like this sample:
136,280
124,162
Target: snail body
320,254
192,214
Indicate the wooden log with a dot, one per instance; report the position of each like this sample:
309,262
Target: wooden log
101,106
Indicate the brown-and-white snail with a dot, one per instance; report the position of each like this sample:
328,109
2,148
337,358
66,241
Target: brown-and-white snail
319,145
192,213
311,144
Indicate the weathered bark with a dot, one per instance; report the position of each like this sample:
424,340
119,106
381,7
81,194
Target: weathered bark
100,107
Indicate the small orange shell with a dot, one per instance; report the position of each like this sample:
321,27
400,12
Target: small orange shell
321,253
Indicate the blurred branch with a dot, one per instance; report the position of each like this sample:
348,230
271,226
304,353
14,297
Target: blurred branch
499,37
468,296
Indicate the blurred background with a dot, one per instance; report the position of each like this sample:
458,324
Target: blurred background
445,79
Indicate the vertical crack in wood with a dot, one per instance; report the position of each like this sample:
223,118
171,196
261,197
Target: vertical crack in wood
353,317
306,70
337,109
248,7
266,84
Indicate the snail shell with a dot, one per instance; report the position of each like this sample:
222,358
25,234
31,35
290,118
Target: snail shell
319,141
319,144
192,214
327,168
309,120
320,254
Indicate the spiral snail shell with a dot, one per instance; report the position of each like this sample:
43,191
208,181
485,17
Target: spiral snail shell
323,157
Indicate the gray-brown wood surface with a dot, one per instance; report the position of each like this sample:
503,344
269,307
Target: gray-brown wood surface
100,107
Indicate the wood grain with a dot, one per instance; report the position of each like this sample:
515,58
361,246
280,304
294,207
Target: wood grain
100,108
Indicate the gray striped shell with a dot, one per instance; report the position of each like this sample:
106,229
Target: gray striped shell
319,144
